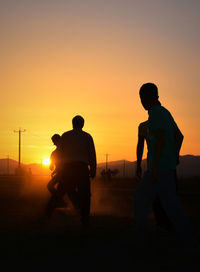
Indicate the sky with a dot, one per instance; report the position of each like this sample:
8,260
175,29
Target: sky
60,58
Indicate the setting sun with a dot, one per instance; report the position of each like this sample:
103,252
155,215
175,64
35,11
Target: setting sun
46,161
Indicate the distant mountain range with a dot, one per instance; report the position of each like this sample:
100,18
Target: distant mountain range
9,166
189,167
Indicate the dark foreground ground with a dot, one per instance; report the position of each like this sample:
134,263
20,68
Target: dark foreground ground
108,243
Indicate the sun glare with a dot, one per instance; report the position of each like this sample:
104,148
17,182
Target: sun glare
46,161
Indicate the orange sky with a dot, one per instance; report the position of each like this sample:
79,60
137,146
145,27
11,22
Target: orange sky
62,58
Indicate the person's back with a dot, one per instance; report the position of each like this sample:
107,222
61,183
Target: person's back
78,153
77,145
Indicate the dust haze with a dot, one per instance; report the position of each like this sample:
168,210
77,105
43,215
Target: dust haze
24,199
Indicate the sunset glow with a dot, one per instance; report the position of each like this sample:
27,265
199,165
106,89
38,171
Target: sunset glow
63,58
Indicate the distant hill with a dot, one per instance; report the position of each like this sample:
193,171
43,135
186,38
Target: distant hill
189,167
123,166
9,166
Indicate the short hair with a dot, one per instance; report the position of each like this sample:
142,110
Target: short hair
78,121
149,91
55,138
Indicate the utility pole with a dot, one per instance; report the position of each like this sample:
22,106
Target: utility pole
107,161
20,132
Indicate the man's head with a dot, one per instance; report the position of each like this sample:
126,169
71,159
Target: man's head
148,95
55,139
78,122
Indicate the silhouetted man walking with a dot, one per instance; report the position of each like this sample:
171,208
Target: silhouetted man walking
165,140
79,165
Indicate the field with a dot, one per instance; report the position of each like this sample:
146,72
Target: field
108,243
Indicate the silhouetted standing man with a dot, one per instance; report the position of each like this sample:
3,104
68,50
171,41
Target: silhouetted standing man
162,221
165,140
79,165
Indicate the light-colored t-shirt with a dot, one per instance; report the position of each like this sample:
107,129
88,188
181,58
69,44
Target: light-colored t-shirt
161,118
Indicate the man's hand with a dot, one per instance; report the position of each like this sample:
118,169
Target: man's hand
92,174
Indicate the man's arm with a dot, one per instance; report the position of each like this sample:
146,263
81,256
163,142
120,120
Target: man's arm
158,150
92,158
140,149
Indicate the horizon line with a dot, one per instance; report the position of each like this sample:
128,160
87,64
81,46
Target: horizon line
98,162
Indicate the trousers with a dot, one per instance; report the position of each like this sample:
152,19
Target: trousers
160,215
165,189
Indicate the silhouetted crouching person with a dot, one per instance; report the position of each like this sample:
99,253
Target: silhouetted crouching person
55,185
165,141
79,165
55,165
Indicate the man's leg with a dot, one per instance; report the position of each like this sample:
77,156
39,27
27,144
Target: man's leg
142,203
55,198
73,195
162,220
169,199
84,198
84,194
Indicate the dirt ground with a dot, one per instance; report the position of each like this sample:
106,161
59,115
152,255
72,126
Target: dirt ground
107,243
